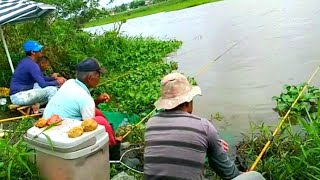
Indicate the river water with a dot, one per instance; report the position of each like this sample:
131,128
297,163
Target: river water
277,44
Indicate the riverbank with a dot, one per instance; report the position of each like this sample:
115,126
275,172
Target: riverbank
170,5
135,67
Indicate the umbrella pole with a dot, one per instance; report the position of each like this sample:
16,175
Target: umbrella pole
6,49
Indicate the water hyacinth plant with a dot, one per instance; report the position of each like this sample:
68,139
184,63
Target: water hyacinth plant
308,100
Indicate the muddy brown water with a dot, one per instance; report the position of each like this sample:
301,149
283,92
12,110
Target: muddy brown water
277,44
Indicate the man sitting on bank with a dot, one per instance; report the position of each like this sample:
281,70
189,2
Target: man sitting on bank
44,65
73,100
177,142
27,74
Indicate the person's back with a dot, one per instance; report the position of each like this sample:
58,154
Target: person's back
71,98
22,79
176,146
177,142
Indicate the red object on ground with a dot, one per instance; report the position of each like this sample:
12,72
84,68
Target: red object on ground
102,120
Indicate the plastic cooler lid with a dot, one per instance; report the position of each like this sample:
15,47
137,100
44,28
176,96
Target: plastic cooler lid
59,134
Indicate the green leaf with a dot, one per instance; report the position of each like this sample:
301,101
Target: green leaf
313,176
275,98
49,141
9,170
291,100
27,154
24,164
305,125
303,152
281,107
2,174
316,91
47,128
286,87
285,97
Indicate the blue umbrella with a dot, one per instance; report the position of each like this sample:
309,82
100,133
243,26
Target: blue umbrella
14,11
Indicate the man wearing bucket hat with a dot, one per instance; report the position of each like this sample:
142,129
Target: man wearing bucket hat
73,100
27,74
177,142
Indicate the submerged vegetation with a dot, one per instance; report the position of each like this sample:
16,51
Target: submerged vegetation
308,101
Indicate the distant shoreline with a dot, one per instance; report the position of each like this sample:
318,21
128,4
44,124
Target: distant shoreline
170,5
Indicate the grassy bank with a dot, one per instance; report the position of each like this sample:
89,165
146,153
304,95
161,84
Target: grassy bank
170,5
135,67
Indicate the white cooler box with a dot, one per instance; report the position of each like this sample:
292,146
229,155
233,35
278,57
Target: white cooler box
82,158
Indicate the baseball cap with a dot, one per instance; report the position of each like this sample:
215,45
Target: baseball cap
31,45
90,64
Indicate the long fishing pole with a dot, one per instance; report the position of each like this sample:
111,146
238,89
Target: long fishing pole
19,117
143,119
281,123
201,70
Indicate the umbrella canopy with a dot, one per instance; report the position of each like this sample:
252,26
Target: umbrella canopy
13,11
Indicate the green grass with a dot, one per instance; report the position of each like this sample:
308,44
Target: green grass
170,5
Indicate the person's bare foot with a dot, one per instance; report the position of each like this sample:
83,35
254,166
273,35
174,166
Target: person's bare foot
35,108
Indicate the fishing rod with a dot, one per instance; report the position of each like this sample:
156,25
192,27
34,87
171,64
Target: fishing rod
201,70
281,122
19,117
143,119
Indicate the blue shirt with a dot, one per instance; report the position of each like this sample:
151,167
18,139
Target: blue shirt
73,100
26,74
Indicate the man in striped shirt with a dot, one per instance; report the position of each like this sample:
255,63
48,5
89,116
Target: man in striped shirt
177,142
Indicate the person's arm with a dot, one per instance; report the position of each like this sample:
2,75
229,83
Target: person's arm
218,159
55,75
87,109
46,78
38,77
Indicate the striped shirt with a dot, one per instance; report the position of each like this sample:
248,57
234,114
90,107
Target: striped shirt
176,146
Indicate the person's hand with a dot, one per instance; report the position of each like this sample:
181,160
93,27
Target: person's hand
225,145
61,80
55,75
64,79
103,98
119,139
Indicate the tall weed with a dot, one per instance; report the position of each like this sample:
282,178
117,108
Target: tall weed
15,156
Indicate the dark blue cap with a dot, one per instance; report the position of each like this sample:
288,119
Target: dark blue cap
90,64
